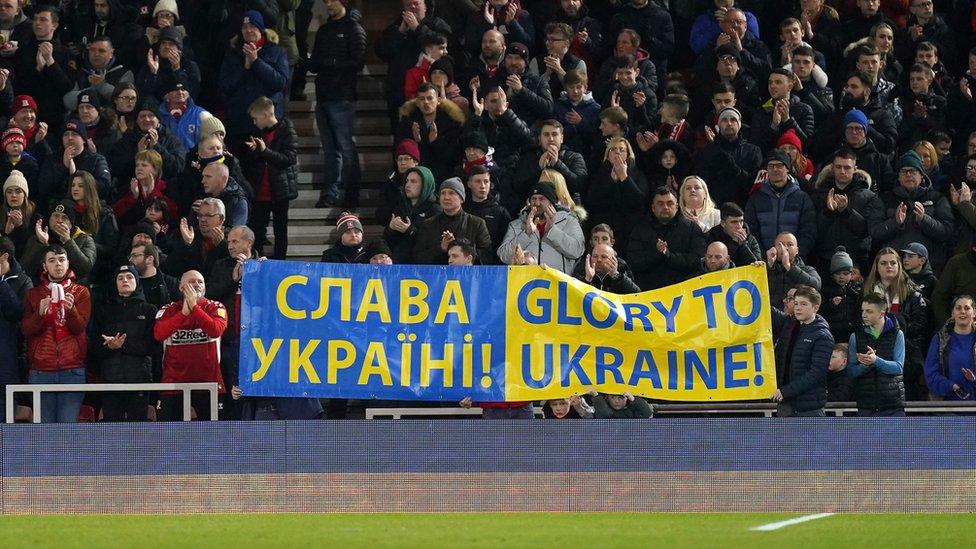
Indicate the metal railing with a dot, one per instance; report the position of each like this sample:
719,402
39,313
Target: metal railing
36,391
765,409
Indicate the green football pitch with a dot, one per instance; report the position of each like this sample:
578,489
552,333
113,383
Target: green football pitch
488,530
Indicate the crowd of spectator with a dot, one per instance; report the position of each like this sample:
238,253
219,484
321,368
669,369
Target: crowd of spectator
630,143
639,143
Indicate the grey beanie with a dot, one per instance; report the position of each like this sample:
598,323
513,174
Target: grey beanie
841,261
456,185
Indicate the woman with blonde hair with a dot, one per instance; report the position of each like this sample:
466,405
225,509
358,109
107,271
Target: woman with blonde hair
617,192
889,279
557,180
930,160
96,218
696,204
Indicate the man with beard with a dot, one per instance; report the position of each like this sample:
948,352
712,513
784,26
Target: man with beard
729,161
529,94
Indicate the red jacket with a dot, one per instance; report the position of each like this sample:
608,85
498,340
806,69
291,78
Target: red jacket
191,343
129,210
44,352
416,75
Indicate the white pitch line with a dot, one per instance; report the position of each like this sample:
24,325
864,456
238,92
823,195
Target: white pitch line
784,523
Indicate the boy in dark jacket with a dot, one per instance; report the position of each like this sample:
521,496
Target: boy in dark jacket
802,375
271,162
578,112
122,342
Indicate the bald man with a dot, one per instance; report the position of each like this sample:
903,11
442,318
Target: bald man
601,271
716,258
190,330
218,183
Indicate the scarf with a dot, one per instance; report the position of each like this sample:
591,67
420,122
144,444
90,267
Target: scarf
468,164
29,133
177,112
674,133
56,314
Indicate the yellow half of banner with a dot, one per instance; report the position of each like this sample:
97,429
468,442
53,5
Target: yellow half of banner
706,339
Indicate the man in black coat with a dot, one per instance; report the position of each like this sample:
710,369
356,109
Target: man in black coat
784,111
435,124
879,125
529,94
665,247
820,98
844,204
48,84
483,201
123,346
550,154
729,163
74,155
733,231
506,132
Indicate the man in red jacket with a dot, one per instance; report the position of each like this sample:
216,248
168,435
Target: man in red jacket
56,312
190,329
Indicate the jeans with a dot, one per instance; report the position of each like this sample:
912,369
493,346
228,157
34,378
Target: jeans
335,121
261,213
59,407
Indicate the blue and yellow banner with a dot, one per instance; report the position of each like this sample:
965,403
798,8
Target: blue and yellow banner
438,333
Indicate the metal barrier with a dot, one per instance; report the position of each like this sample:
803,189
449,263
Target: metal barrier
36,391
765,409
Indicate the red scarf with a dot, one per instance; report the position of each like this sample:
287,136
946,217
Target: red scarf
674,133
177,112
468,164
56,314
29,133
261,42
80,208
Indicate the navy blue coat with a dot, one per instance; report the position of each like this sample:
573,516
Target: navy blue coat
267,77
792,210
806,388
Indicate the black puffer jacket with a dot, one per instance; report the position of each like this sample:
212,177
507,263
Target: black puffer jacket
122,157
495,215
803,382
134,317
847,228
338,55
280,158
686,245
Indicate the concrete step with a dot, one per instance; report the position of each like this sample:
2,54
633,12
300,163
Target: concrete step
307,197
312,142
324,216
369,124
363,105
314,161
373,178
322,235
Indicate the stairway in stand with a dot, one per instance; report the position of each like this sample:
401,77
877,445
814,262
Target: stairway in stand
311,230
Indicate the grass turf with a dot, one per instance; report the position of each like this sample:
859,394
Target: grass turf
481,530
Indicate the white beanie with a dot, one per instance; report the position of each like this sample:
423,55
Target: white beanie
167,5
16,179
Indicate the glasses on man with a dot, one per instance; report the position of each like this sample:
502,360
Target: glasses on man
208,216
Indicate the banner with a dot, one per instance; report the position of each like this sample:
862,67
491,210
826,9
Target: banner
439,333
